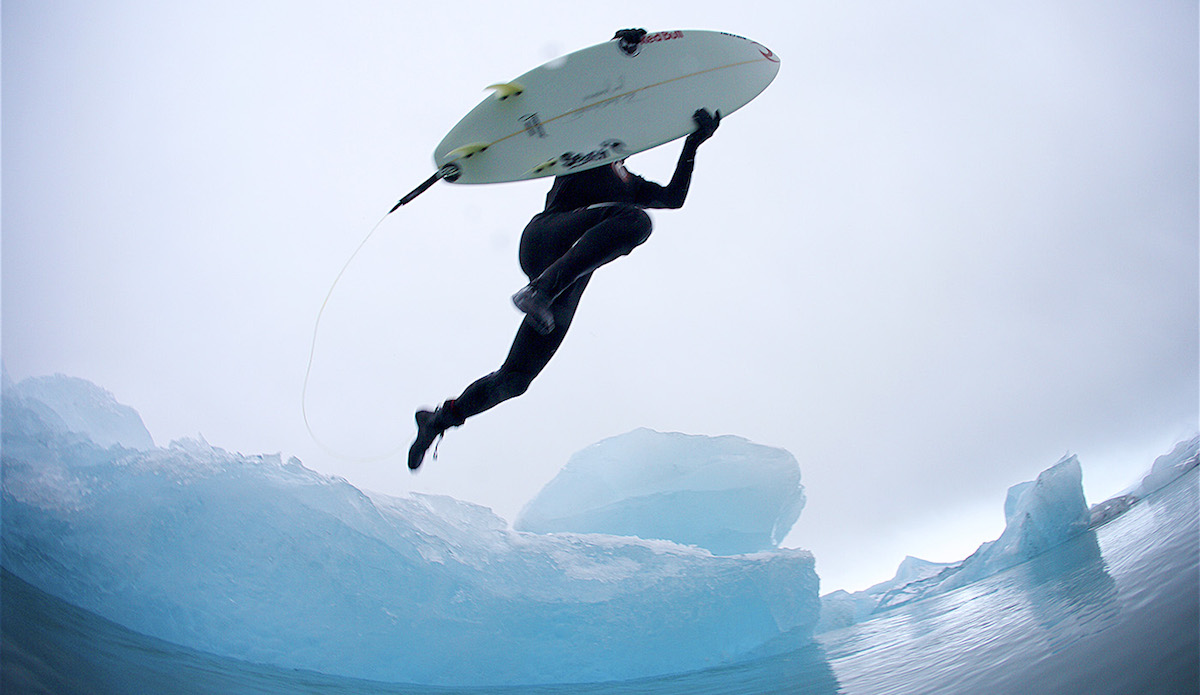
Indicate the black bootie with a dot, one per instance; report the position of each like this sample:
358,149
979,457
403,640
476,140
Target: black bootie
430,426
535,304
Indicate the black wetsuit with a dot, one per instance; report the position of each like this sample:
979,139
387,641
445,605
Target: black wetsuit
591,218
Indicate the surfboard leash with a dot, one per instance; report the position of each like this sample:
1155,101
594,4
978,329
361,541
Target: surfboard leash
312,351
450,172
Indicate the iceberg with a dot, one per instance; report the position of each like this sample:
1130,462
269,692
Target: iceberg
261,558
1039,515
1166,468
1164,471
79,406
842,608
724,494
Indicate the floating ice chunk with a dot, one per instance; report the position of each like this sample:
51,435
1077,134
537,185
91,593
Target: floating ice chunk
913,578
725,494
1109,509
1184,457
1045,513
840,609
76,405
263,559
912,570
1039,515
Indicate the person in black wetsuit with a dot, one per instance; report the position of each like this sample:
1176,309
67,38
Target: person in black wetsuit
591,218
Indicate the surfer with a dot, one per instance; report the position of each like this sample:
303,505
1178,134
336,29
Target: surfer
591,218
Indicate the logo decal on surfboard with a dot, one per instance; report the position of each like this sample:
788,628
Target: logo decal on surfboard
533,125
662,36
607,149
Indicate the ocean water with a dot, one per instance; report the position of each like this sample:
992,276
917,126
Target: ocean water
1116,610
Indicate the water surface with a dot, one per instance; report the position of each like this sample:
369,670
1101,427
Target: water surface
1115,611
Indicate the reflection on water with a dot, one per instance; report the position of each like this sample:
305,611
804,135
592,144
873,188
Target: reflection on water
965,641
1113,611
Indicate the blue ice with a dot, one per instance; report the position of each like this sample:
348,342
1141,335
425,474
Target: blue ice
724,494
265,560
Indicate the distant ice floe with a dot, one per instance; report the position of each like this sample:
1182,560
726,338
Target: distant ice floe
1039,516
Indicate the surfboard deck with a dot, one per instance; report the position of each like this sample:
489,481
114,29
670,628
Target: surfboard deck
601,104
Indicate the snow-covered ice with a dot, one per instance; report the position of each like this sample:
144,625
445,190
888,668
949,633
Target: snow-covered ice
725,494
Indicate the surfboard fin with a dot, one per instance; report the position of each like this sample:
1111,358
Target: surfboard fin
543,167
466,151
504,90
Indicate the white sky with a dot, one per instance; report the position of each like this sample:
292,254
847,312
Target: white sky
952,242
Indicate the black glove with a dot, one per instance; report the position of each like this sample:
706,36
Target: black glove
706,125
630,38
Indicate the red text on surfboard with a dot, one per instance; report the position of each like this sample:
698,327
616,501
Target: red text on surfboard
662,36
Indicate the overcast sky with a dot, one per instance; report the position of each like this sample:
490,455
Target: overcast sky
952,242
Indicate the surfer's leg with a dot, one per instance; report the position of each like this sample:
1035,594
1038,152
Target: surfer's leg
559,248
579,242
558,251
530,353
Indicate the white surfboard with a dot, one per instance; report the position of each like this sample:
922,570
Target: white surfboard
602,104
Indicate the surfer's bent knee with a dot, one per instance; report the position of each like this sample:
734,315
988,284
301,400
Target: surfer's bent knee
635,223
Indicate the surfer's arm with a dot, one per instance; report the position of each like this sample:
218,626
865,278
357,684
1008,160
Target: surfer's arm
675,193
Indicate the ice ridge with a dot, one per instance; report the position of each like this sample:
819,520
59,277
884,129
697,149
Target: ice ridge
261,558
